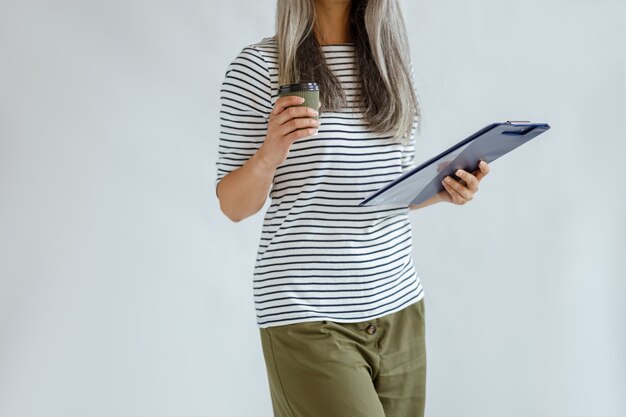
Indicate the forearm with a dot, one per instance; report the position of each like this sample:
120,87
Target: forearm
243,191
432,200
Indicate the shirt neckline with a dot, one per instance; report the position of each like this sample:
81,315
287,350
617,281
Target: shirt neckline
337,44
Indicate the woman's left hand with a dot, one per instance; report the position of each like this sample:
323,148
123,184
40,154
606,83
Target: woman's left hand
461,191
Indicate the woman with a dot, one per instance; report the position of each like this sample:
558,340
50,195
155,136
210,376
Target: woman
340,307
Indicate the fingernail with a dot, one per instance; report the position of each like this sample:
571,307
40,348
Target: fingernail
302,100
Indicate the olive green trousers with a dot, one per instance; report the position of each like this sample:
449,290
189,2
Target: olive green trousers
373,368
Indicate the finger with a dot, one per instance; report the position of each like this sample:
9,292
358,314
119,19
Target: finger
454,195
284,102
470,180
461,189
294,113
483,169
299,123
300,133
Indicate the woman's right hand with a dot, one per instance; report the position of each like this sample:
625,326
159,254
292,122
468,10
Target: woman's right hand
286,125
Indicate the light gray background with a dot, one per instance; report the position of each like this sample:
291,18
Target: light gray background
125,292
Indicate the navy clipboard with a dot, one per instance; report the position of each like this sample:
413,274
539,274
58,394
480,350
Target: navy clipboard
424,181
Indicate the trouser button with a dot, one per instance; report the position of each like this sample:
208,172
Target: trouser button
371,329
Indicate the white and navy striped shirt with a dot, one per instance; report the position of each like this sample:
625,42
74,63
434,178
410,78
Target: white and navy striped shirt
321,256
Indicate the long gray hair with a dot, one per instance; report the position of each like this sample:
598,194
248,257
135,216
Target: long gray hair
382,58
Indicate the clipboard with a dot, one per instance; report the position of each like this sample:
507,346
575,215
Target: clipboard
424,181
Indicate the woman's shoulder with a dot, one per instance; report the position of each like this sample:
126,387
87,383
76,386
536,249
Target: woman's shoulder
266,49
268,45
261,57
252,70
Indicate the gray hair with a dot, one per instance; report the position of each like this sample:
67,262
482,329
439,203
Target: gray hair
382,57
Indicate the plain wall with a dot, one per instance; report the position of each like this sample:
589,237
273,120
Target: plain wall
124,291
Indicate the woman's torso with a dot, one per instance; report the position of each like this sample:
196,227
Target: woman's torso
321,256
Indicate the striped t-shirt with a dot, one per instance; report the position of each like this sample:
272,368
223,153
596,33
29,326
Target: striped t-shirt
320,255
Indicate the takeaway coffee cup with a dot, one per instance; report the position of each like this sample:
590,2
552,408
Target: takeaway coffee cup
309,91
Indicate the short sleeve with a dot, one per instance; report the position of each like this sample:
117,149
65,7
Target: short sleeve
245,105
